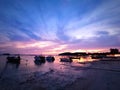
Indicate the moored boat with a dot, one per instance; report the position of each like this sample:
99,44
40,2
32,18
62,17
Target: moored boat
39,58
14,59
50,58
65,59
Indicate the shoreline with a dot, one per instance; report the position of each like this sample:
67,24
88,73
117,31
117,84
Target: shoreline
96,75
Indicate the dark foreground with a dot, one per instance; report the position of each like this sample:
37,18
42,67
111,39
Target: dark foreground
98,75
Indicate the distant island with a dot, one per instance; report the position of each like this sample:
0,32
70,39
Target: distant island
113,52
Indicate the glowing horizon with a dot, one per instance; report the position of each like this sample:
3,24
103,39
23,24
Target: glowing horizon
45,47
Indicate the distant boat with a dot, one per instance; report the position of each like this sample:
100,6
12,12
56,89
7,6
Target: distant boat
98,56
50,58
65,59
14,59
39,58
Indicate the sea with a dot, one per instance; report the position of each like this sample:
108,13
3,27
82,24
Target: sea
31,76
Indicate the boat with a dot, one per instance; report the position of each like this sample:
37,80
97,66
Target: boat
66,60
39,58
14,59
50,58
98,56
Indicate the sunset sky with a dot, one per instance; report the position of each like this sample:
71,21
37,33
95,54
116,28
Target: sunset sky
54,26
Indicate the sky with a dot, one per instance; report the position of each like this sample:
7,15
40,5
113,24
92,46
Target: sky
55,26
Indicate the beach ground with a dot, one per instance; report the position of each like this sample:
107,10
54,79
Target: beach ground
99,75
102,75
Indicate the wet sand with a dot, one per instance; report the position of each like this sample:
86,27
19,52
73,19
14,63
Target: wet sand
98,75
101,75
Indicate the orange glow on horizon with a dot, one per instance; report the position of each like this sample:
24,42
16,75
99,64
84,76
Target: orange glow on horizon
91,50
117,55
81,60
84,59
48,47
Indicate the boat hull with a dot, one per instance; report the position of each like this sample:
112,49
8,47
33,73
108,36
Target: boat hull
39,59
65,60
50,59
13,59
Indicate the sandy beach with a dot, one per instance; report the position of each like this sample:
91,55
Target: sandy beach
97,75
102,75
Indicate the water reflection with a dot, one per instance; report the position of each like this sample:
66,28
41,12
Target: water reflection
7,66
4,69
76,59
50,61
13,64
85,59
38,62
28,64
29,71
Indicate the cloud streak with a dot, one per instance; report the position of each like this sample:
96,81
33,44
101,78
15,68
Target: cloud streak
57,26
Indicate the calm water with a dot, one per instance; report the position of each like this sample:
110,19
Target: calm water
27,73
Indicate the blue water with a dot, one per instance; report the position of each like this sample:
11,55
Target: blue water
28,75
